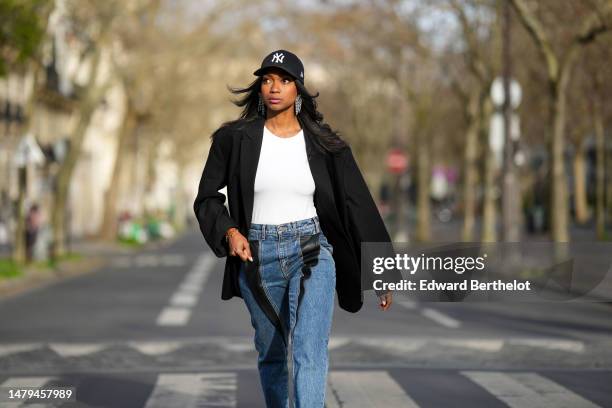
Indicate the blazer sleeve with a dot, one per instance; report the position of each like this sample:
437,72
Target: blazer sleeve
209,205
365,221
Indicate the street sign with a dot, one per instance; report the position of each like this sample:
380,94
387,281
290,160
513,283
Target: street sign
397,161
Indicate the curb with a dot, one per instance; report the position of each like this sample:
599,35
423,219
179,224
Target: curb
33,279
37,278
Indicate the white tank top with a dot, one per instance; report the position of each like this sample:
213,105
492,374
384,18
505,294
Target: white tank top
284,187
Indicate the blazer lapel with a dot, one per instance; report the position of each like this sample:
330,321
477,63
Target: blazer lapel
250,149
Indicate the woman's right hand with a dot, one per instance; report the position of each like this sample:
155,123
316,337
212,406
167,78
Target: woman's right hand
239,246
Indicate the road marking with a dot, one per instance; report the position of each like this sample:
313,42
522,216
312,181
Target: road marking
573,346
527,390
184,299
398,344
556,393
441,318
337,342
490,345
174,316
408,304
154,348
430,313
148,260
401,345
194,390
365,389
239,347
8,349
21,382
172,260
178,312
75,350
189,289
344,388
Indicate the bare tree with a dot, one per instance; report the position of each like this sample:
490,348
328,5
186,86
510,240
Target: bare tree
137,36
594,90
21,53
559,67
93,20
480,69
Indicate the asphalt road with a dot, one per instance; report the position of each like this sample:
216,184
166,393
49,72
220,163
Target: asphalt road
150,330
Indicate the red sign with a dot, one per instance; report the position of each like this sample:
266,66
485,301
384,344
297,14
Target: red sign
397,161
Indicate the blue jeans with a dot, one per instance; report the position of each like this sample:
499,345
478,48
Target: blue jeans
289,290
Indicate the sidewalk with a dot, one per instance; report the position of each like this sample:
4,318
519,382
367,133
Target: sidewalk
92,256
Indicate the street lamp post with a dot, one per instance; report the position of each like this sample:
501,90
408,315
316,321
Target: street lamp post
510,191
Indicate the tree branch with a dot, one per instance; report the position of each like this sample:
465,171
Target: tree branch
475,60
597,23
536,30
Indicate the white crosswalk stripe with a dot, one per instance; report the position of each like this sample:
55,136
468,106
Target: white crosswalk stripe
178,312
172,260
441,318
72,350
365,389
345,388
184,299
26,381
174,316
21,382
194,390
8,349
181,304
527,390
156,348
148,260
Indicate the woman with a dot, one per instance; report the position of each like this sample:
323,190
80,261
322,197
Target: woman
299,209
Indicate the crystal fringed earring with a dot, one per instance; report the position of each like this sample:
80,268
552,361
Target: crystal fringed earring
261,107
298,104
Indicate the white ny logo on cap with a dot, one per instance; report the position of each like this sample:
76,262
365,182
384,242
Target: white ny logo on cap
278,57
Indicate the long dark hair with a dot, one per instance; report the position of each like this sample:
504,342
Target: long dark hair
326,139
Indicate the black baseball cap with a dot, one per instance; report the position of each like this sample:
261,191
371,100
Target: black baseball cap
285,60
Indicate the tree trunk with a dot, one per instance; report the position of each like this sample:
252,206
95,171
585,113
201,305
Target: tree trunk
19,247
559,73
152,162
489,216
469,168
600,171
180,205
608,165
558,204
150,154
108,229
87,108
423,233
580,194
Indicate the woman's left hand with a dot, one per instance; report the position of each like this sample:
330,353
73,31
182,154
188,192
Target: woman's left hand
385,300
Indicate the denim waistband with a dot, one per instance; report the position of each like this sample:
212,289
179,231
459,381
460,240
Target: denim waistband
308,226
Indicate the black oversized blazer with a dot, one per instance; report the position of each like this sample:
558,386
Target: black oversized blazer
346,210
